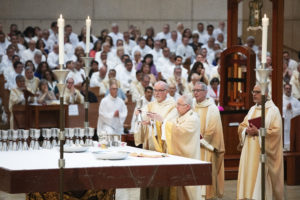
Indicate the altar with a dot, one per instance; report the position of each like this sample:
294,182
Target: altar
37,171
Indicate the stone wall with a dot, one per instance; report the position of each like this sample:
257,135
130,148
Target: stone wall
291,25
142,13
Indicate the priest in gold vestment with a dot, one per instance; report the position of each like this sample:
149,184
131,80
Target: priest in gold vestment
148,131
249,177
182,136
212,142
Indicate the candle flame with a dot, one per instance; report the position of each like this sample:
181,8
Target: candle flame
265,16
60,16
88,17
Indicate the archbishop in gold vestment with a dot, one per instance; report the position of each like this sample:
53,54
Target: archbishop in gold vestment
182,136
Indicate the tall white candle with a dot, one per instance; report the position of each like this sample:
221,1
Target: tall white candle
265,24
61,26
88,33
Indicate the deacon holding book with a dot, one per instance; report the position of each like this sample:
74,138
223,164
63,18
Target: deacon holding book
249,177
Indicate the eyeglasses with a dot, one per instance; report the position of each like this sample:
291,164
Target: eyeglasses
179,104
197,90
256,92
159,90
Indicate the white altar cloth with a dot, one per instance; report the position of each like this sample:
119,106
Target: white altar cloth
48,159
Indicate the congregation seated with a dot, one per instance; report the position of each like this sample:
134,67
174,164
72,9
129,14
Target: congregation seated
10,77
17,96
214,90
71,94
31,82
91,96
44,95
178,80
126,75
97,80
138,90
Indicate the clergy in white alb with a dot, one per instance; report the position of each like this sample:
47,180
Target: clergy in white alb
249,176
290,109
126,75
115,34
173,42
212,142
181,134
112,113
10,76
165,34
138,90
97,80
28,54
141,104
185,50
164,66
141,47
295,82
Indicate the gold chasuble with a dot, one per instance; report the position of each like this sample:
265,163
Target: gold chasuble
212,146
150,135
182,136
249,177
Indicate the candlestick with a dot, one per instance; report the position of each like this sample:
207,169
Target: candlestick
265,24
87,35
61,26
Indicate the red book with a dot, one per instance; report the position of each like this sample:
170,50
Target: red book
256,122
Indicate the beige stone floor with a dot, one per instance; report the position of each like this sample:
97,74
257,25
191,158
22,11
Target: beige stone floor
291,192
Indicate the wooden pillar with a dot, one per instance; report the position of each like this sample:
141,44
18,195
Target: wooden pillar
232,22
277,48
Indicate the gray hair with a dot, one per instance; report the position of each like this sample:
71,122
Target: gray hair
187,99
28,68
38,52
177,67
105,44
164,84
203,85
19,78
43,82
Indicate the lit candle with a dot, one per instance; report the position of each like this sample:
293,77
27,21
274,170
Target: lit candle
265,24
88,32
61,26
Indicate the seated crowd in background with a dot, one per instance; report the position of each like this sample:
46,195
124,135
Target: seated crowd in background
134,61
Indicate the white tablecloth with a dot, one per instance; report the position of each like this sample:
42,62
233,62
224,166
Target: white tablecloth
48,159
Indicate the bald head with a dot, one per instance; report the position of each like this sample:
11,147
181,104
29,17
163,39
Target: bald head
102,72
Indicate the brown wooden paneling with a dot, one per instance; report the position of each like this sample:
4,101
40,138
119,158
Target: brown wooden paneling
293,157
25,181
277,49
231,141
